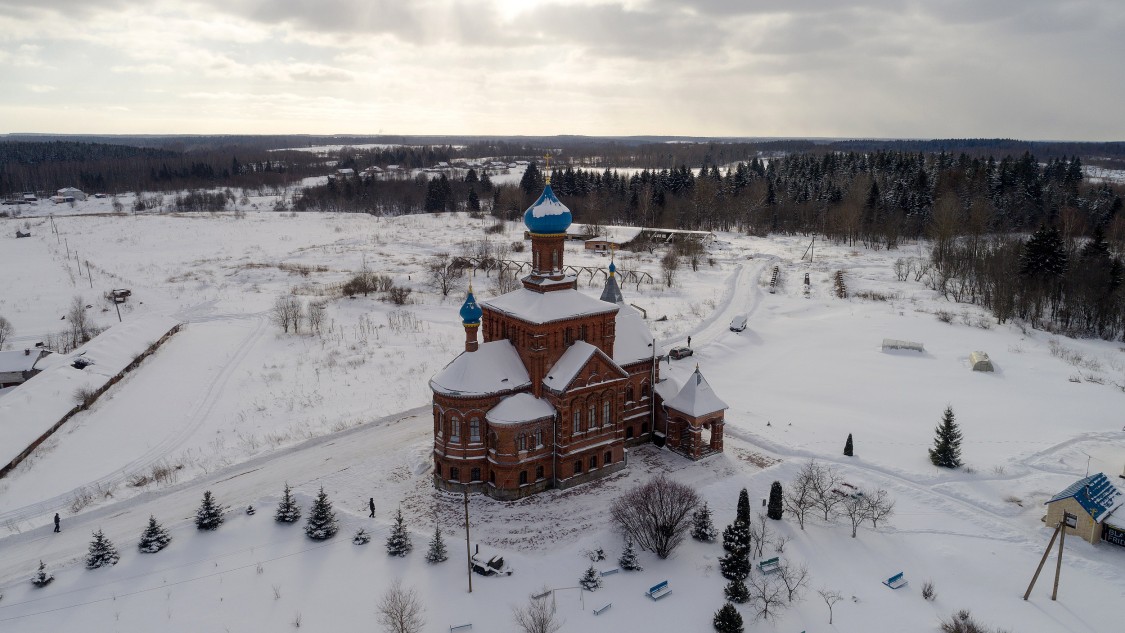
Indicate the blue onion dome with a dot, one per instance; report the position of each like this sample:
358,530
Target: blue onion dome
470,311
612,268
547,215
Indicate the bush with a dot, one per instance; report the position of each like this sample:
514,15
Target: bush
656,515
962,622
398,295
928,590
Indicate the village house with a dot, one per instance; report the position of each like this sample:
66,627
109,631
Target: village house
562,384
18,366
1097,502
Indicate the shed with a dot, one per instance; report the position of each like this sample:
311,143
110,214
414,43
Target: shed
71,192
893,344
980,361
18,366
1094,500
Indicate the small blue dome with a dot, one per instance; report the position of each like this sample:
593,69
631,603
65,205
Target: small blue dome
547,215
612,268
470,311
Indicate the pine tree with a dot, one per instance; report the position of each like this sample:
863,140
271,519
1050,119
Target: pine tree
702,528
743,513
361,537
1044,255
398,543
736,591
736,537
287,510
848,446
322,520
728,619
946,452
474,200
591,580
154,538
628,560
209,516
774,509
437,553
735,565
102,552
41,577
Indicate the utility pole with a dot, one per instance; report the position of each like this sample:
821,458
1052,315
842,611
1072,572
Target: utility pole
89,274
1068,520
468,549
1046,553
67,245
1062,539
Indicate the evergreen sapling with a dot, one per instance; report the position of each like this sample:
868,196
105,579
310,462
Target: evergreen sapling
398,542
102,552
437,553
736,591
322,520
209,516
41,577
591,580
287,510
848,446
775,508
702,528
743,513
946,452
727,619
628,560
154,538
361,537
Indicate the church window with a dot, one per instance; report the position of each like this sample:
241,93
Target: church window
629,432
454,474
538,437
474,474
582,333
454,430
644,391
593,462
577,421
568,337
538,472
629,393
523,477
608,458
474,430
577,467
554,260
521,442
605,412
591,416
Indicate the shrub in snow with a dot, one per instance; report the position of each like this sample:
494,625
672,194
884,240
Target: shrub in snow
848,446
250,510
743,512
736,591
398,542
209,516
437,553
102,552
962,622
287,510
702,529
596,554
400,610
775,509
656,514
361,537
628,560
154,538
591,580
928,590
322,520
946,452
41,577
736,537
727,619
538,615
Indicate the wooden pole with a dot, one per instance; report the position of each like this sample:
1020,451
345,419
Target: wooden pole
89,274
118,306
468,549
1058,564
1046,553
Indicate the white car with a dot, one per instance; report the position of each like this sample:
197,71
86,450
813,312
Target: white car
738,324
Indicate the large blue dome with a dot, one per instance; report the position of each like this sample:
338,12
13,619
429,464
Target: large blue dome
547,215
470,311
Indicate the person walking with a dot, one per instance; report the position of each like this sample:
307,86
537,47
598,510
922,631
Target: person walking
371,504
57,520
689,341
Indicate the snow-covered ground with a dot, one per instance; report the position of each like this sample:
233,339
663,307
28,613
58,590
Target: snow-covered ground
232,405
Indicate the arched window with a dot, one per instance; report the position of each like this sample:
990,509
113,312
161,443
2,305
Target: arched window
608,458
591,416
577,420
454,429
605,412
629,393
538,438
454,474
521,442
644,391
474,430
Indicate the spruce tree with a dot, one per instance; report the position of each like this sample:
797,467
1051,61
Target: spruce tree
322,520
41,577
154,538
728,619
102,552
398,543
946,452
628,560
743,513
735,565
774,509
209,516
591,580
736,537
287,510
362,537
736,591
848,446
702,528
437,553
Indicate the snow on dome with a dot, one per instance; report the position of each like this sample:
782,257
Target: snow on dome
470,311
494,368
696,398
522,407
547,215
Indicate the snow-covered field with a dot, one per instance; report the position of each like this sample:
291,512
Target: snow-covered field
232,405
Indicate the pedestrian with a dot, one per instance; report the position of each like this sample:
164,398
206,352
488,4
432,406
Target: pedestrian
371,504
689,341
57,522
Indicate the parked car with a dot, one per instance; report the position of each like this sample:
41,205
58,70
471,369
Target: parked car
676,353
738,324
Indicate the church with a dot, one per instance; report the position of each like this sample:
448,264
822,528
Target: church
562,384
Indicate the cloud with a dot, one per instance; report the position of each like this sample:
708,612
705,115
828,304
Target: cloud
40,88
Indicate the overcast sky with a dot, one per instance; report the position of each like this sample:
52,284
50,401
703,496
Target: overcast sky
1032,69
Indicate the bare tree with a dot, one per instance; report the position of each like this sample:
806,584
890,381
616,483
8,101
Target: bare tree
79,324
759,534
538,615
798,499
400,610
286,312
669,264
314,315
443,275
766,597
5,330
656,514
795,579
821,481
830,597
855,508
506,281
880,507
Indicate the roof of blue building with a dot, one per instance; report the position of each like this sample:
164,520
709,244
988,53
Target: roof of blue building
1096,494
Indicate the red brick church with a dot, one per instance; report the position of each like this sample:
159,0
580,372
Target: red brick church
562,384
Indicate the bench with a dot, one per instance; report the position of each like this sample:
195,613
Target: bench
602,609
542,595
896,581
772,564
461,627
658,591
609,572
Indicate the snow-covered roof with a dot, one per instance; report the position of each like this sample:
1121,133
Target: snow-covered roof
1096,494
67,191
19,360
696,398
494,368
522,407
568,365
634,340
545,307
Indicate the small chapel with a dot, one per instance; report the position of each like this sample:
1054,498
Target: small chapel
562,384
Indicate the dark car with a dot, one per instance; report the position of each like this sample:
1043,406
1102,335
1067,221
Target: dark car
676,353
